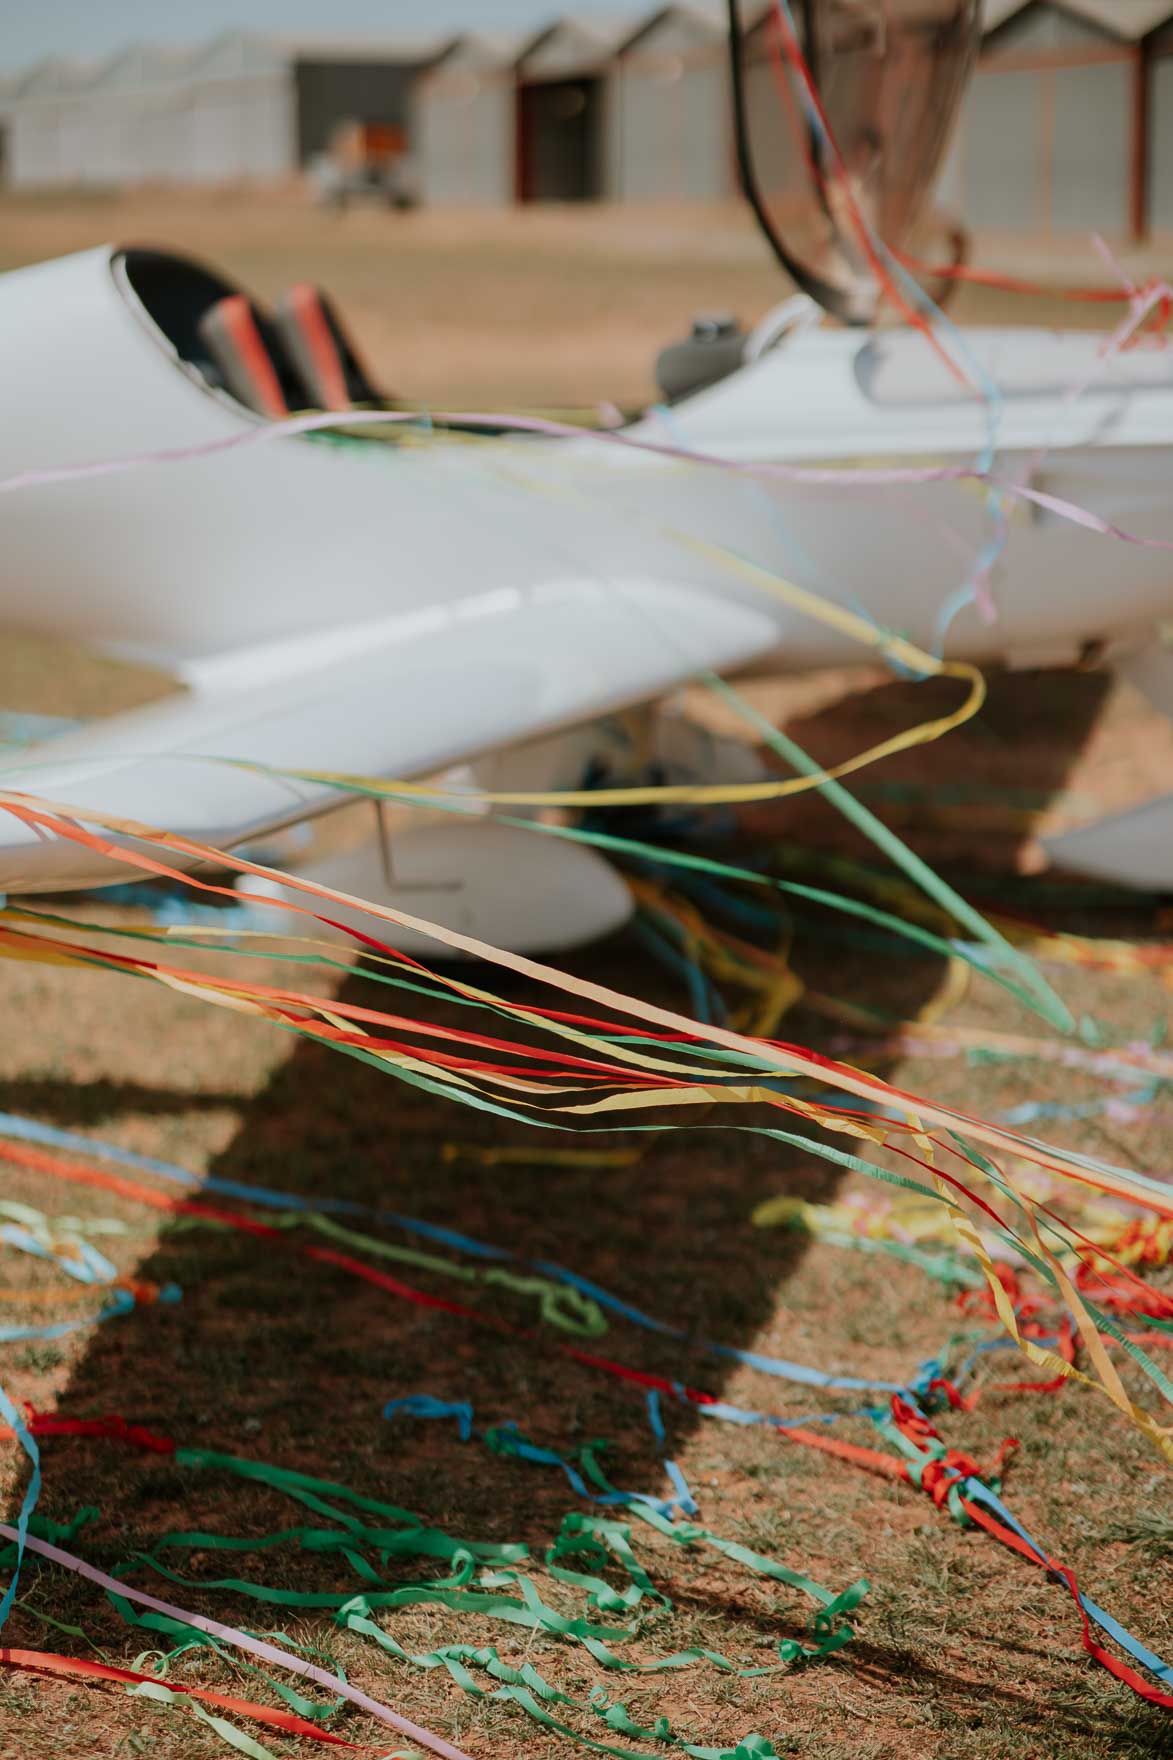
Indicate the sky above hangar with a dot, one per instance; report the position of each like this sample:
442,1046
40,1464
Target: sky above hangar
86,28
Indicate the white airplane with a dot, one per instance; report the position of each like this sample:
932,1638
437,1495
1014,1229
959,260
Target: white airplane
401,602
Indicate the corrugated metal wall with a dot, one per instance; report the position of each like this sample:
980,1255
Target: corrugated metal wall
1045,138
1161,143
36,118
240,129
217,133
330,91
710,173
180,131
1091,155
1044,144
464,135
670,135
642,132
34,145
240,113
1000,149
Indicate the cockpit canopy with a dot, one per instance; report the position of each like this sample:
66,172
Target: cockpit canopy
887,76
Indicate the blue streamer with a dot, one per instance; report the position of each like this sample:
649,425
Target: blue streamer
121,1302
424,1405
31,1130
32,1491
20,729
685,1501
977,1492
706,1003
89,1266
508,1439
800,1372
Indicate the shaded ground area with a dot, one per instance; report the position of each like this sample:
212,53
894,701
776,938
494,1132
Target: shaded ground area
960,1651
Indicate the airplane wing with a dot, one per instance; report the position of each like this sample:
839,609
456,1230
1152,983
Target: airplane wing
339,604
387,609
398,700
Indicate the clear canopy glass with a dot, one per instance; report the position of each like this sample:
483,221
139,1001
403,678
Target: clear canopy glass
889,76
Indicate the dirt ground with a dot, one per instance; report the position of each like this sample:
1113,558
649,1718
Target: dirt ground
962,1652
546,307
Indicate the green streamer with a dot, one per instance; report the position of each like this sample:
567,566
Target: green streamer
1047,1001
228,1732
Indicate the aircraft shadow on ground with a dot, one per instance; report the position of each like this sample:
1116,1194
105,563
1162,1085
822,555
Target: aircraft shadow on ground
281,1359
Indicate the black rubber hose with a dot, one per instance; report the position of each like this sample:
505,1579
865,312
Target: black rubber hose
830,297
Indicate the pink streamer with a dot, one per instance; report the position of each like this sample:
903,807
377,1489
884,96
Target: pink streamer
816,476
1140,305
318,422
241,1641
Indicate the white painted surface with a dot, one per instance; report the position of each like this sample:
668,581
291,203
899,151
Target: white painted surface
392,610
1133,849
465,878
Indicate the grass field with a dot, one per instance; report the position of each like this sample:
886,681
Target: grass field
962,1652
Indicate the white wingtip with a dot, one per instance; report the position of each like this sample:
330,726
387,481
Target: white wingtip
1129,849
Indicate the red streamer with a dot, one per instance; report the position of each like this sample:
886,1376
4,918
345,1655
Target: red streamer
78,1668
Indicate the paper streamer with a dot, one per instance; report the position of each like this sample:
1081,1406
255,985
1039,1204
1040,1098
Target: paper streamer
75,1668
846,477
240,1641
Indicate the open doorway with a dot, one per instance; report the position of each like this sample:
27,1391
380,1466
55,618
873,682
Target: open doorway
560,144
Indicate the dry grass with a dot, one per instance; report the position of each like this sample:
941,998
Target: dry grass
550,307
962,1653
554,308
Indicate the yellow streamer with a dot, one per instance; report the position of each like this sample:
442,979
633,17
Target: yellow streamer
787,1061
1109,1383
849,623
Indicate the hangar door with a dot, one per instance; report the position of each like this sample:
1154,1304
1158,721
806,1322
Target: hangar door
1161,144
560,140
